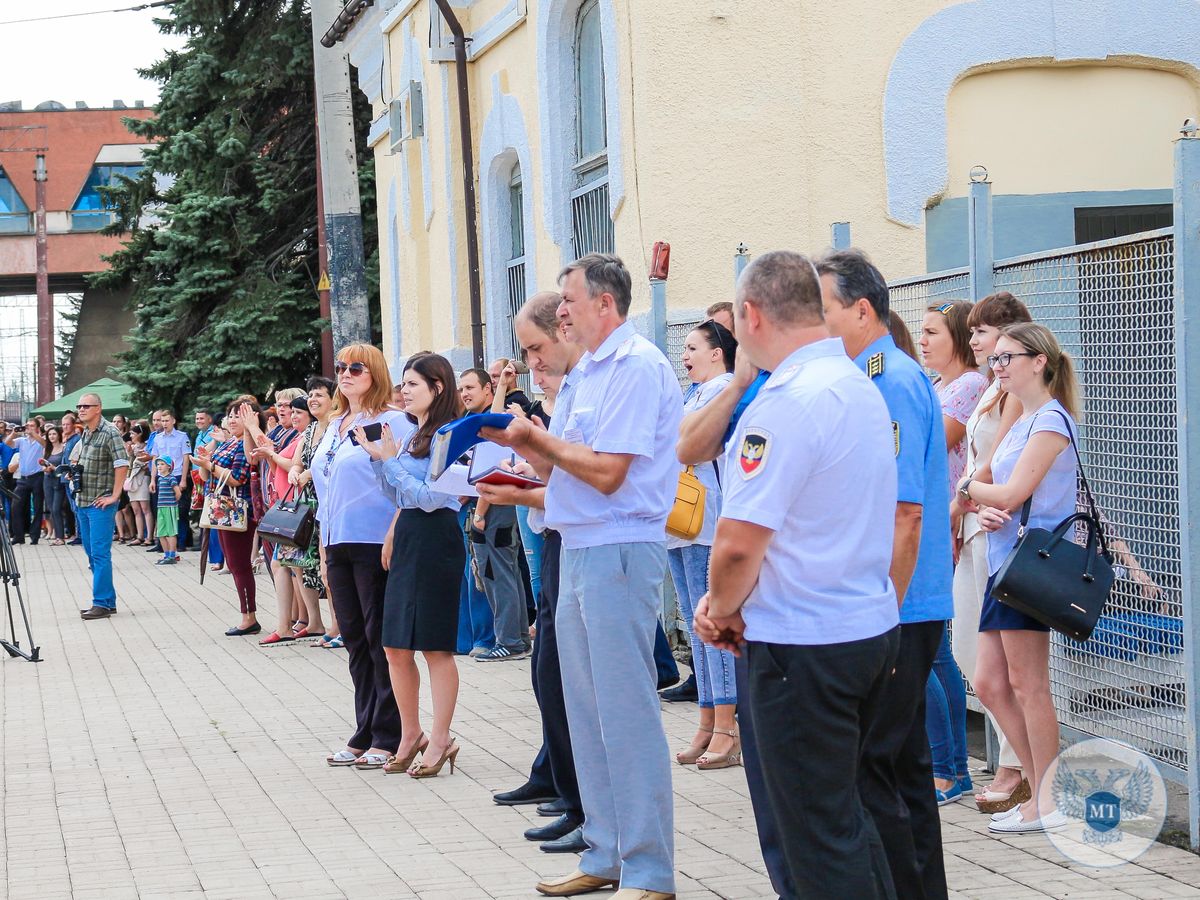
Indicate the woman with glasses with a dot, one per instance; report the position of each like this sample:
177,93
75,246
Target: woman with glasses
993,416
424,556
354,517
946,350
709,352
1035,461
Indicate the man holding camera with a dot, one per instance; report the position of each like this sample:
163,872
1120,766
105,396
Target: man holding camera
102,466
30,449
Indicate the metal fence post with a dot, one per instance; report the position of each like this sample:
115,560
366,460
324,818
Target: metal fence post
839,236
658,312
979,218
741,259
1187,362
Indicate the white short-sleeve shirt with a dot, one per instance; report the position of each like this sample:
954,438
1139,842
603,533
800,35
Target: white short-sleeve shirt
813,460
351,508
625,399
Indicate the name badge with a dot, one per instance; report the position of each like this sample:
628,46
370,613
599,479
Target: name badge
573,436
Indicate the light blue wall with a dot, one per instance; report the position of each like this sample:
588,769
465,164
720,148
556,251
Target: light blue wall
1022,223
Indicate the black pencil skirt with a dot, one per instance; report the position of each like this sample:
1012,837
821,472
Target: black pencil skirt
420,606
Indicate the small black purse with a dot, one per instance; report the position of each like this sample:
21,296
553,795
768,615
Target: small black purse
289,524
1049,577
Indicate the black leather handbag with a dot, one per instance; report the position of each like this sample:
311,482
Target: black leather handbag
289,524
1051,578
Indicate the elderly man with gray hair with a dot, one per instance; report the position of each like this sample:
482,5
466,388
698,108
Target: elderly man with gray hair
103,464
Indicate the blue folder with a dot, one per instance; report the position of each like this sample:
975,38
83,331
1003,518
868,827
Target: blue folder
455,438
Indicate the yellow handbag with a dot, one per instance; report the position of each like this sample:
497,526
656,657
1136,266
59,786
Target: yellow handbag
687,515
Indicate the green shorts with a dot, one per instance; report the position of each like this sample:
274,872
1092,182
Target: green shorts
168,521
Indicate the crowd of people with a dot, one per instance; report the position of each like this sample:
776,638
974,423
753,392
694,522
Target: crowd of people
853,507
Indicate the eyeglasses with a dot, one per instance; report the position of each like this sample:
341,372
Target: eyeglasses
86,405
724,339
1001,360
356,369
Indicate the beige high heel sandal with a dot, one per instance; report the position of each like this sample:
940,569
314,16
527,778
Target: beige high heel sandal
733,757
399,764
689,756
419,768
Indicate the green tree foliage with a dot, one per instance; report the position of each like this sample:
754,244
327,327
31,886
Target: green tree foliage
224,271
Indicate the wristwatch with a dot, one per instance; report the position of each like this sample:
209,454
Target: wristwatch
964,489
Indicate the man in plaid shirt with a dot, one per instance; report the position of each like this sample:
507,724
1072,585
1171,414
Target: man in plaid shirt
102,456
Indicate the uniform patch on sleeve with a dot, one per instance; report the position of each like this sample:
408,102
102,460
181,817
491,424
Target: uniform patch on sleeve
896,436
875,365
756,446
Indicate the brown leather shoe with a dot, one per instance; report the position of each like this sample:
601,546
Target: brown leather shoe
639,894
97,612
576,883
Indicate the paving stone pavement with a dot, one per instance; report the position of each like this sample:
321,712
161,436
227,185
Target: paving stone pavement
151,756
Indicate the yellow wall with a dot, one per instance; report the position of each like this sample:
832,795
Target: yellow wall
737,126
1049,129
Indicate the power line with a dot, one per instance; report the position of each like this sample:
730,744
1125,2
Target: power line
94,12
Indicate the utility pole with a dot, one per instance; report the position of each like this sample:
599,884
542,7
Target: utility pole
45,302
337,160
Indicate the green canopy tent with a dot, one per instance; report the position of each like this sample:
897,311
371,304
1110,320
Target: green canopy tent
114,397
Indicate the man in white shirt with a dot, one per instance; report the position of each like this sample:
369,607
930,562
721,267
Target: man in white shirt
610,466
800,575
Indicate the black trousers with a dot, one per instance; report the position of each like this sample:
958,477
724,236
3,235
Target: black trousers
29,490
555,758
820,701
184,536
896,776
356,582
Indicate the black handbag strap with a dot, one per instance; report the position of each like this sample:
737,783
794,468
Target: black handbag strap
1092,517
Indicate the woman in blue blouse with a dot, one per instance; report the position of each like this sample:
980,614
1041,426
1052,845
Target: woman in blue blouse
424,556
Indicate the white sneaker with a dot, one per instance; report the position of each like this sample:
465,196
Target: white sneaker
1008,813
1016,825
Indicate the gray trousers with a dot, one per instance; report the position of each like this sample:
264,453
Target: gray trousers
495,551
606,620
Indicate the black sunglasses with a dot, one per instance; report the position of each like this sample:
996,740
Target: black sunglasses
356,369
721,335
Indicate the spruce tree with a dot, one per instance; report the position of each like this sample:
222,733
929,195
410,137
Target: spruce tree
224,272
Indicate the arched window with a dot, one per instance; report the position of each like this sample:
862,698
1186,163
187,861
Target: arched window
516,259
592,227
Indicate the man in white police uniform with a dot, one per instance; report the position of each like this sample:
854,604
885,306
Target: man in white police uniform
799,573
609,458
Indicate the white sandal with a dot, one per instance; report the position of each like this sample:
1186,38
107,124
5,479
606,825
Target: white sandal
342,758
371,761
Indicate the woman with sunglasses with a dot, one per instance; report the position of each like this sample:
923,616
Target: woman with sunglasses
946,350
709,352
354,517
993,416
1034,462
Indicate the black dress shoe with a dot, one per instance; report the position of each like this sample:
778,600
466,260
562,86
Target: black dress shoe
552,809
571,842
685,692
97,612
525,794
154,548
238,632
560,827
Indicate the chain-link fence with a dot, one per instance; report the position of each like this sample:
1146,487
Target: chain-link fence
1111,306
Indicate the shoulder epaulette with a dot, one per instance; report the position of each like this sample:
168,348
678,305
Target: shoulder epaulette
875,365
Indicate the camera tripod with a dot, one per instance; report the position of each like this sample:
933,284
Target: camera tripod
10,575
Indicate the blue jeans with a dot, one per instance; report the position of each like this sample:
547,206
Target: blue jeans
216,555
715,680
475,623
96,532
946,715
532,542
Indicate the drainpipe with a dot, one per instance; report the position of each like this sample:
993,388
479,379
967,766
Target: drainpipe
468,163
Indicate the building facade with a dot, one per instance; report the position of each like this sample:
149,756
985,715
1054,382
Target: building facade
609,125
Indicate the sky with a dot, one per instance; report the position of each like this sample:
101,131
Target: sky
91,58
